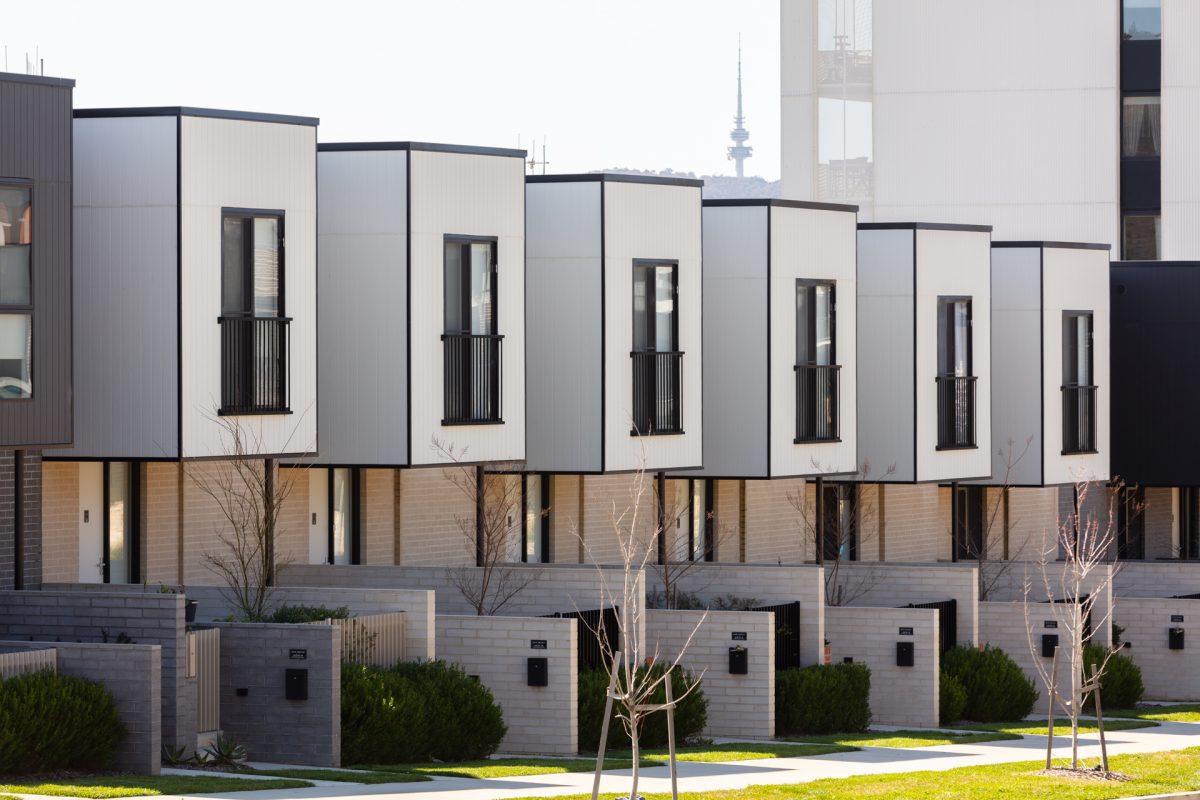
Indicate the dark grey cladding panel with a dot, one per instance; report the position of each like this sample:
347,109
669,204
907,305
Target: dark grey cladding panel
35,146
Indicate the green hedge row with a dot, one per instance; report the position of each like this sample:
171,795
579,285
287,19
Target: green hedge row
691,714
996,688
1120,685
52,722
822,699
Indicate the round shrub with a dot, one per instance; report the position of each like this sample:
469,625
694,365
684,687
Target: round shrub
1120,684
52,722
952,699
691,713
463,722
822,699
997,690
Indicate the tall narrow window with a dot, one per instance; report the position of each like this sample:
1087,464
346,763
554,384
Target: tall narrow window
839,505
656,356
1140,126
16,302
1078,387
1189,523
471,344
968,510
1131,523
1141,19
816,368
1142,236
535,506
121,530
701,538
254,330
343,516
955,381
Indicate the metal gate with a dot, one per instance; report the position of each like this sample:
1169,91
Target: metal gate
947,621
787,634
204,653
599,635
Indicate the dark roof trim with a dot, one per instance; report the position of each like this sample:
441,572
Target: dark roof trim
1145,264
188,111
775,202
613,177
42,80
922,226
1056,245
431,147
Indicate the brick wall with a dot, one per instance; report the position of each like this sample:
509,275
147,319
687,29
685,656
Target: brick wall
1162,579
1009,582
83,611
901,584
540,719
1003,625
738,705
565,517
608,506
1032,522
31,536
254,658
727,510
768,585
60,522
1167,674
132,674
1159,514
160,522
378,501
905,696
434,512
775,531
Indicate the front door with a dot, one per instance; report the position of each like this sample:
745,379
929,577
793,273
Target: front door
91,522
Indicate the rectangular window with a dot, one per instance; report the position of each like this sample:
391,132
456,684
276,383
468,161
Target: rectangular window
254,330
1131,523
16,302
968,509
343,516
839,507
955,381
701,539
656,356
815,323
535,511
816,369
1142,237
1189,523
1078,389
471,344
121,530
1140,126
1141,19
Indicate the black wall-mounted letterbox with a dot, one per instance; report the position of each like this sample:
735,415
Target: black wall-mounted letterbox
1049,642
905,654
739,660
538,671
295,684
1175,638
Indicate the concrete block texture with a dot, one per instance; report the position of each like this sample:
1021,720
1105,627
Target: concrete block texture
255,711
132,674
1156,579
1167,674
540,719
738,705
1009,581
899,695
866,584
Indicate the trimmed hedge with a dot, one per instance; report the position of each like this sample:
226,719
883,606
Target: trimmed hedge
300,614
417,712
1120,685
952,699
52,722
691,713
822,699
997,689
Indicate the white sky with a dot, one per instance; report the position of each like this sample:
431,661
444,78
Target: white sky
616,83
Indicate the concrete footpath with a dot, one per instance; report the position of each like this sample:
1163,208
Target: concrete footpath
695,776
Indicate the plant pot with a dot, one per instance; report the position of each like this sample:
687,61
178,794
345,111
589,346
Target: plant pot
828,655
189,611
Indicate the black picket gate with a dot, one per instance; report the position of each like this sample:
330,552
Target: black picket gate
599,635
787,634
947,621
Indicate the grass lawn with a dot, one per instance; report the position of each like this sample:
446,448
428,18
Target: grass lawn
506,767
1183,712
905,738
371,776
1062,727
101,786
1153,773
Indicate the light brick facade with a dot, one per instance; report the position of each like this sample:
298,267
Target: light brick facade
1167,674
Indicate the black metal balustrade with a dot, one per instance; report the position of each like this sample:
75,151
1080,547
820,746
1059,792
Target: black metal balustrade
1079,419
657,381
471,379
956,412
817,388
255,353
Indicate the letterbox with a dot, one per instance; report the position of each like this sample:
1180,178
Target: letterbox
1175,638
295,684
905,655
1049,642
739,660
538,671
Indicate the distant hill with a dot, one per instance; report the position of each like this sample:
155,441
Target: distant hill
716,187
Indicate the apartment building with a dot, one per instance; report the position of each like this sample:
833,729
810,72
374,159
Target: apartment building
36,350
195,254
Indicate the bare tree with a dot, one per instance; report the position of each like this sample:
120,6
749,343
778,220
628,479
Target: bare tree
250,492
492,531
996,523
1080,575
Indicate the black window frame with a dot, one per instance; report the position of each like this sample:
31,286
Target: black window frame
1078,395
466,240
1189,523
968,523
355,523
651,265
544,511
955,393
832,535
709,512
810,285
26,185
1131,523
947,303
654,369
466,356
134,545
248,215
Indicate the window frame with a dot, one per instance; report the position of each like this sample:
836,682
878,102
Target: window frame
960,522
355,532
1150,213
948,302
810,285
544,478
465,283
710,545
1128,497
1188,548
848,491
250,214
1090,316
652,264
26,310
134,545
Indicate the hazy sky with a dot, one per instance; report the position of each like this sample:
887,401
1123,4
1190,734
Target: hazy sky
618,83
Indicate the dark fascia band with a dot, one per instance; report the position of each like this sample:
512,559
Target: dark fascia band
775,202
431,147
188,111
922,226
614,177
41,80
1057,245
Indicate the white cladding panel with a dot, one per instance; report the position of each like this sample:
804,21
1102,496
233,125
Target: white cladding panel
362,250
885,354
1075,280
563,323
953,263
1017,366
257,165
651,221
821,245
735,342
1180,129
797,23
470,195
125,276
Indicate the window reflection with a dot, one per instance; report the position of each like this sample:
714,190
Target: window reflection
1142,19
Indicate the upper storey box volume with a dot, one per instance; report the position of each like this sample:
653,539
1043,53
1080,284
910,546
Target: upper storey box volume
614,298
195,250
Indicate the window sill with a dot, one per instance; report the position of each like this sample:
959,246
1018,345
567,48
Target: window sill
460,423
657,433
256,412
833,440
941,447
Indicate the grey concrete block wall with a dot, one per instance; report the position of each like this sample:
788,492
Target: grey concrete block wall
78,613
1004,625
1156,579
884,584
738,705
1009,586
540,719
1167,674
132,673
768,584
899,695
255,658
